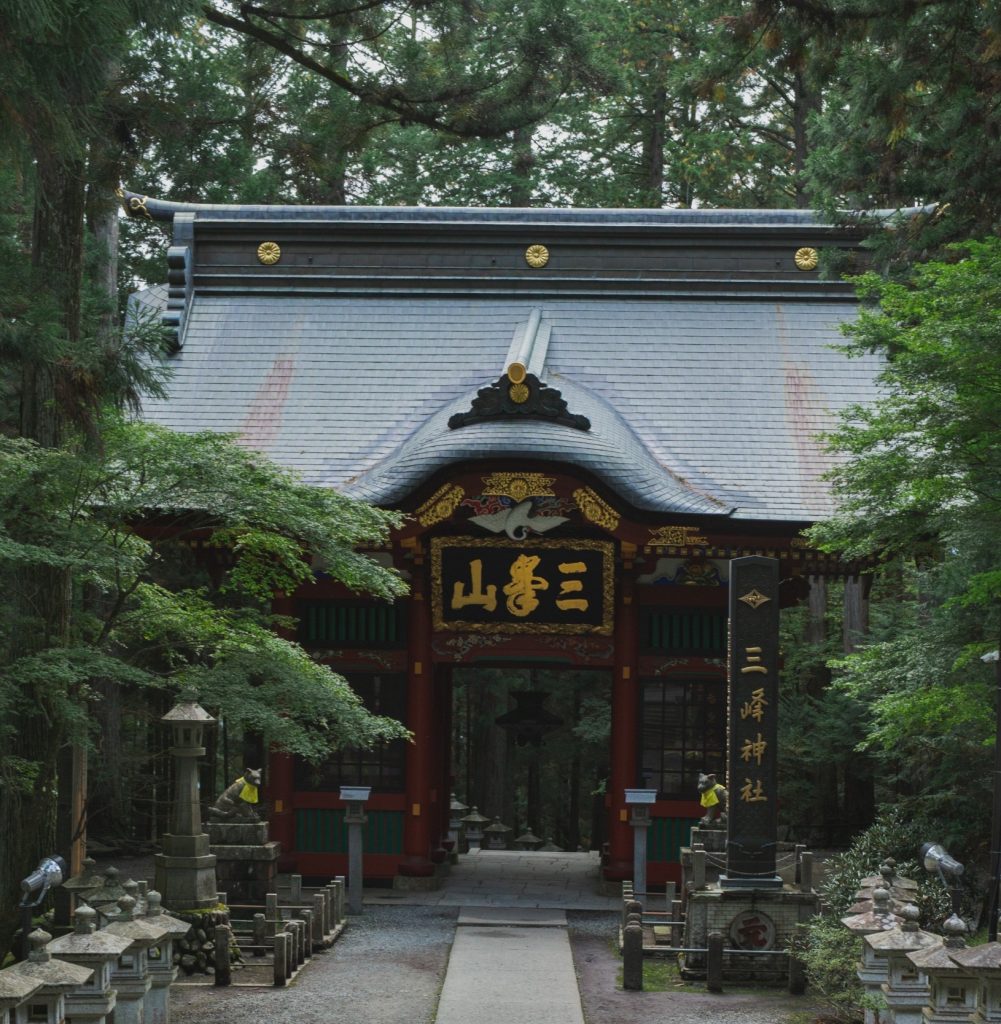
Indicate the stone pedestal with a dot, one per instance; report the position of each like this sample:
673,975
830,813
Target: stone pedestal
748,919
185,872
246,861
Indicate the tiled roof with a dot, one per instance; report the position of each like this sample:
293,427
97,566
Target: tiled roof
707,405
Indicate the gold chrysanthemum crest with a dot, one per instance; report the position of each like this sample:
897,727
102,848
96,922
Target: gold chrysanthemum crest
269,253
806,258
537,256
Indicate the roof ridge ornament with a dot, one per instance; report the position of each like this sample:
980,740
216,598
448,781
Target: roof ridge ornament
518,394
519,391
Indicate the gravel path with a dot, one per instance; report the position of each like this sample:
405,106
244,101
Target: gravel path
605,1003
387,968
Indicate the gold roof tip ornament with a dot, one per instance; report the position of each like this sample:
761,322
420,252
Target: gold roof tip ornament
806,258
537,256
269,253
518,392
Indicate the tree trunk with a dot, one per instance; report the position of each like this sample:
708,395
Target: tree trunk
653,151
826,810
860,790
43,596
522,166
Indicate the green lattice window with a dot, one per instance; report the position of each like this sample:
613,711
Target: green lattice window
351,624
688,632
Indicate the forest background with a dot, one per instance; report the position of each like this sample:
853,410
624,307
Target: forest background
827,104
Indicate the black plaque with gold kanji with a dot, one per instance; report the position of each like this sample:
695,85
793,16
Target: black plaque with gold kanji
753,677
535,586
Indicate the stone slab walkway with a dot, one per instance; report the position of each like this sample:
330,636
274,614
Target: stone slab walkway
516,974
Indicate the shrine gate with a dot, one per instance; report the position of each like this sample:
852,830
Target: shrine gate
585,414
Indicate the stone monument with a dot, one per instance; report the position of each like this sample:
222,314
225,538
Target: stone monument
749,904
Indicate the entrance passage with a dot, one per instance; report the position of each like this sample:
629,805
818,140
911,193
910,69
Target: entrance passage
530,750
514,879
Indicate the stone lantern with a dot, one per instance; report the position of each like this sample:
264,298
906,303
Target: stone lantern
98,950
131,975
496,835
953,987
456,809
473,829
86,882
877,918
354,798
15,992
528,841
161,959
905,990
984,963
57,978
185,871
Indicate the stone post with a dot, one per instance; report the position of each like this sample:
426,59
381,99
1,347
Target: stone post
97,950
185,871
223,967
55,979
319,919
341,884
953,995
714,962
632,954
904,990
260,934
282,959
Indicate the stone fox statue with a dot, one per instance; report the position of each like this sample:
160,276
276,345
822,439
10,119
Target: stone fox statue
238,800
712,796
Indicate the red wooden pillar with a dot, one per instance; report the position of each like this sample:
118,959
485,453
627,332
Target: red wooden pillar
281,777
625,715
444,748
419,817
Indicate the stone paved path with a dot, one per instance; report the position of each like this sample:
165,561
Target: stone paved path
512,972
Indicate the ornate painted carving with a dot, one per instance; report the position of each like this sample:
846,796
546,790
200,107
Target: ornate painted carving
504,400
595,509
519,486
677,536
690,572
440,505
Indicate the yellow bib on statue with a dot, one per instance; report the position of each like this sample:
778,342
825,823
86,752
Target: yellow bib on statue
709,798
248,793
